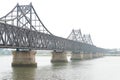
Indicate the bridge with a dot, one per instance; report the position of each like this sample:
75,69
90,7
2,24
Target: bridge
23,30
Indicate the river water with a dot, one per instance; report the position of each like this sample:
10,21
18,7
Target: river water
105,68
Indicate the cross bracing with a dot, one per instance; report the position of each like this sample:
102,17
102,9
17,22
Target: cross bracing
87,39
76,35
22,28
25,16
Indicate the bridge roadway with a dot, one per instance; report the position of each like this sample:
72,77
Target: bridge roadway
12,36
16,37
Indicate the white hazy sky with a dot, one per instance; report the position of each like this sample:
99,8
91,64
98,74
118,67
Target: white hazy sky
100,18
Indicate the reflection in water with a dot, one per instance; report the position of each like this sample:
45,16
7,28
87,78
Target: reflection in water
59,65
23,73
53,72
107,68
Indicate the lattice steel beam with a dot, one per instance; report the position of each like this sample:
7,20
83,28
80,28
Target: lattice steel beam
22,28
25,16
75,35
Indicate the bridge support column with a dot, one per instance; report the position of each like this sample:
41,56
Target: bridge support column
97,55
24,58
100,54
77,56
59,57
94,55
88,55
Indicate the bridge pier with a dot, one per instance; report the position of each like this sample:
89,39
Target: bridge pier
77,56
88,55
24,58
85,55
101,54
59,56
97,55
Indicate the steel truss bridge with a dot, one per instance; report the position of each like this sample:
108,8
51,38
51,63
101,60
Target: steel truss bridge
22,28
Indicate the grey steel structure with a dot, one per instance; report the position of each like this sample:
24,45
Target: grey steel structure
22,28
87,39
76,35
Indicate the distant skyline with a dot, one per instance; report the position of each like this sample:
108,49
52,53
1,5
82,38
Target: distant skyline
99,18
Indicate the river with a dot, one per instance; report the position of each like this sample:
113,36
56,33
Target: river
105,68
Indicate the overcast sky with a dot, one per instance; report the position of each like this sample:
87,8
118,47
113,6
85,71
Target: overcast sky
100,18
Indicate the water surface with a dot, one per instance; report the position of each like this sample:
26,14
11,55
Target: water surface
106,68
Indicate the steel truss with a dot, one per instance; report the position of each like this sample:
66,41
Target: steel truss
76,35
22,28
87,39
25,16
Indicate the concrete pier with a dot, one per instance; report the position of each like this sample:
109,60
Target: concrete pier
59,56
88,55
77,56
24,58
97,55
100,55
85,55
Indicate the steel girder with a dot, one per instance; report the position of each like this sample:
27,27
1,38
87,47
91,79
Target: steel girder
22,28
16,37
87,39
76,35
25,16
